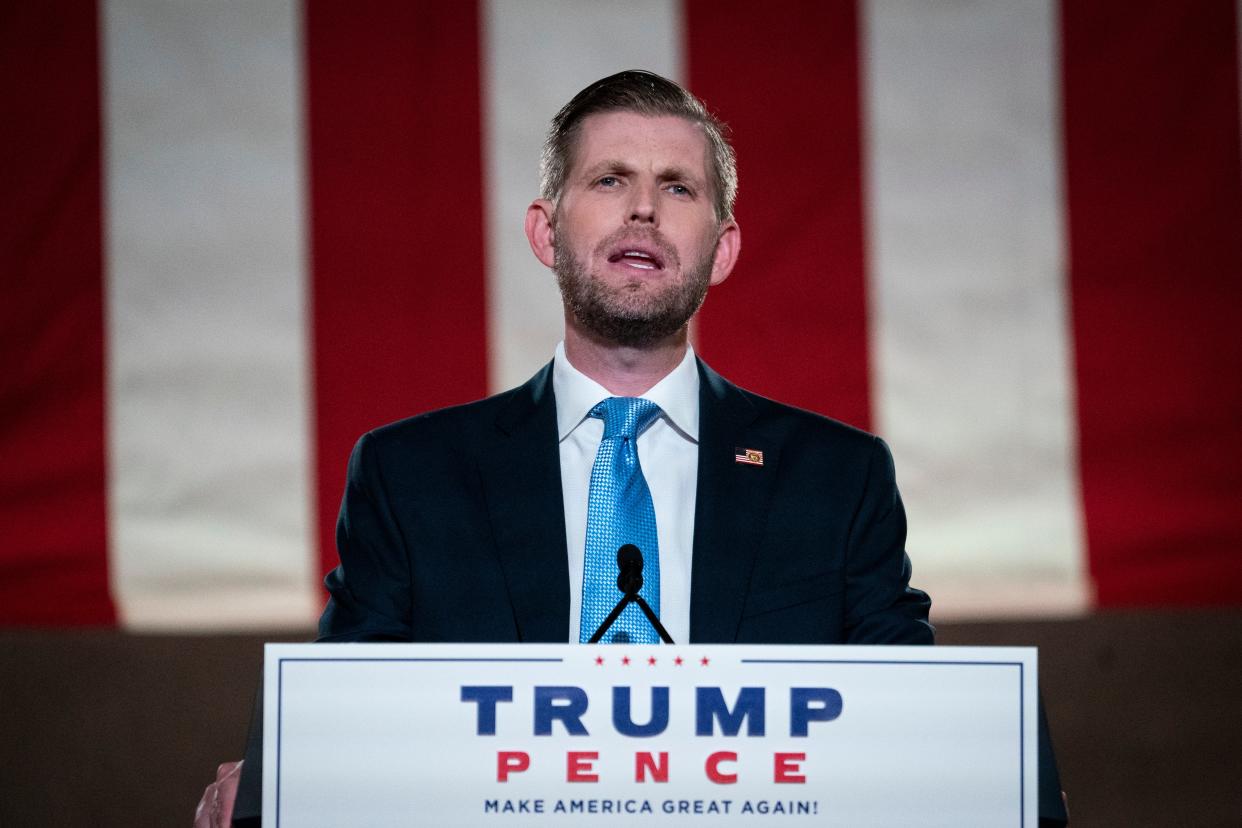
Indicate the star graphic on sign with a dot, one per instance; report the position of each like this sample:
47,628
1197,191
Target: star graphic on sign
704,661
651,660
677,661
599,660
625,660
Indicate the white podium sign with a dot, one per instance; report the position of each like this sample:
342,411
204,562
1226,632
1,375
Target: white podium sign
538,735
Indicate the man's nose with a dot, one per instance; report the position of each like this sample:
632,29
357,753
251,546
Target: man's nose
643,203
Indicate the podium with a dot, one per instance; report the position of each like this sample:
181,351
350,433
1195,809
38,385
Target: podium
526,735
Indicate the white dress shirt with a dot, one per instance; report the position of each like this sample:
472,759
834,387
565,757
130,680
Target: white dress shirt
668,452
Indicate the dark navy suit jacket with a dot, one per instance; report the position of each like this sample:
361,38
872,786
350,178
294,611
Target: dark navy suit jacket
452,529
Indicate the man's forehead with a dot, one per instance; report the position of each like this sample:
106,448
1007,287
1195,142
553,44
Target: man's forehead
634,138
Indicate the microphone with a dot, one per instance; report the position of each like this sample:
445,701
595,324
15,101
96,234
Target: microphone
629,569
630,581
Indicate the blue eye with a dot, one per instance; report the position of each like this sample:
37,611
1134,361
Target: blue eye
609,181
679,189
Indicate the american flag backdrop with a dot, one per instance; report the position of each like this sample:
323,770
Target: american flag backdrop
1006,235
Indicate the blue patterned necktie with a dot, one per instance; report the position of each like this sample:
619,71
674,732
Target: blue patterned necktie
620,511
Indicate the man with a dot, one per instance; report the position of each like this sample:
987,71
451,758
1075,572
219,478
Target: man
497,521
771,524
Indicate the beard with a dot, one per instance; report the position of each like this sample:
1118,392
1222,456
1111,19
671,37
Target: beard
634,314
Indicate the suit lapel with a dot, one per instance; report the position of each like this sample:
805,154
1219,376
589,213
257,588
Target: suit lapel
521,476
731,508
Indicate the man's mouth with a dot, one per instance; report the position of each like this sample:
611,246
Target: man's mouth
637,257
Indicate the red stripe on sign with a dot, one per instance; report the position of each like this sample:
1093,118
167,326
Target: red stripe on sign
396,221
791,322
1155,211
53,559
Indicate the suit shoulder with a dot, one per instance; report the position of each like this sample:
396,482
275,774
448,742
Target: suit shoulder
440,421
778,418
810,426
466,425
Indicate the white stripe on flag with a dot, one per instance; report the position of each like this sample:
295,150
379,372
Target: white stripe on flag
206,306
969,313
537,55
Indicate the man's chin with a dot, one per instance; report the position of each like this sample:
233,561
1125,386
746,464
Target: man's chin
629,331
638,314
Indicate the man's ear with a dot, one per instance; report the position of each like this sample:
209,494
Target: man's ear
540,231
728,246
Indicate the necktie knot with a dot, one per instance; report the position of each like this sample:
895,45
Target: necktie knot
625,416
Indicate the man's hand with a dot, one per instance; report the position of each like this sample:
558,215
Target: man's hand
215,809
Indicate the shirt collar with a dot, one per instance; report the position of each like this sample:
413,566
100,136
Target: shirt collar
576,394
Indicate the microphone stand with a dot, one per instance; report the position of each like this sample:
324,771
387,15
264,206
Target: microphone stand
630,581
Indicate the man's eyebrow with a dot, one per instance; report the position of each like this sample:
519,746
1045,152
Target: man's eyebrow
676,173
607,165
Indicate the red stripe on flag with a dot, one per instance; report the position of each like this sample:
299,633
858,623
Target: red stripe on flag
792,321
395,174
53,510
1155,232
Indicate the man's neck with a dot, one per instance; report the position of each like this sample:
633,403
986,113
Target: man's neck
625,372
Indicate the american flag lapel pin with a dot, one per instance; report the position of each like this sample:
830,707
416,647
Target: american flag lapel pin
748,456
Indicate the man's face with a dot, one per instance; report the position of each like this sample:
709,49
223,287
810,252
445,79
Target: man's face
634,235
